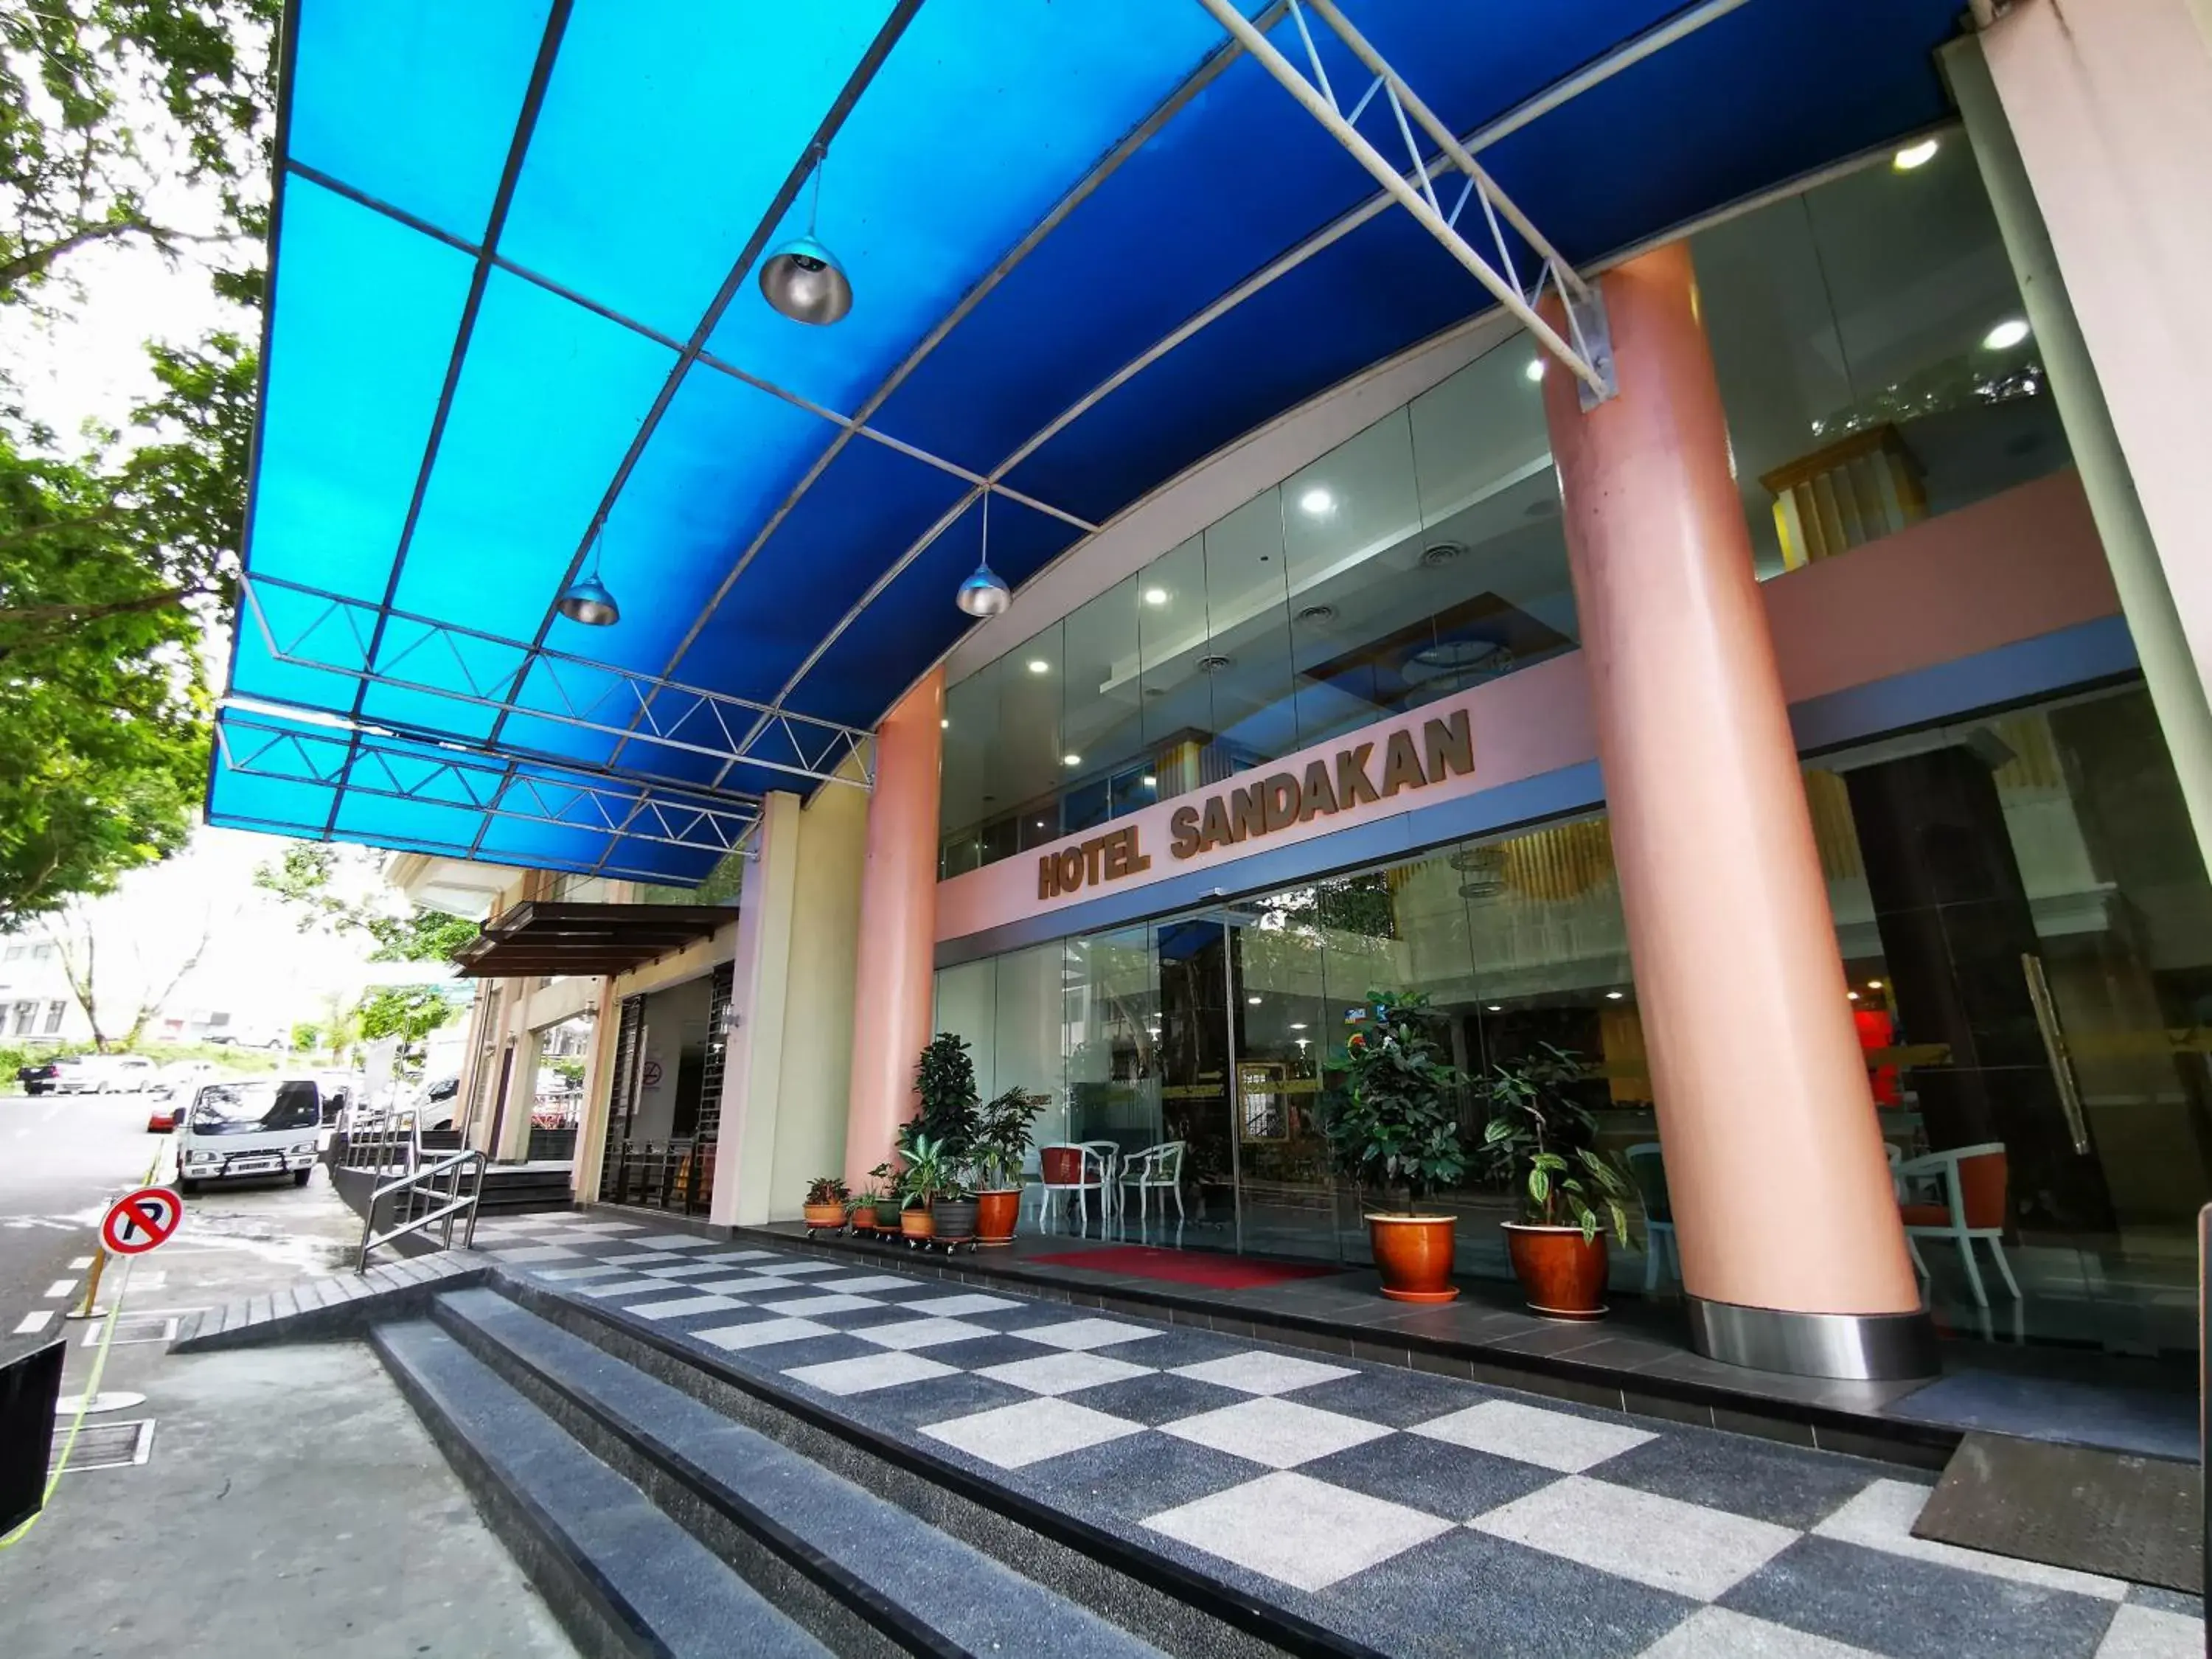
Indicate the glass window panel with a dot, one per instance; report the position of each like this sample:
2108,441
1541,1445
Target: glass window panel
967,1006
1248,648
1102,721
1359,607
1028,1016
1176,694
971,737
1025,771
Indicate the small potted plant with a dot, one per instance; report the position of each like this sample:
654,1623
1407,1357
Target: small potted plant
953,1211
922,1178
1542,1140
865,1209
825,1202
1395,1133
1003,1127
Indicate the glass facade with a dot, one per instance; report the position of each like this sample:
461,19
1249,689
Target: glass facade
1875,371
2023,923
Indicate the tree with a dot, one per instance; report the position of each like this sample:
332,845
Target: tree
116,555
76,937
409,1012
307,877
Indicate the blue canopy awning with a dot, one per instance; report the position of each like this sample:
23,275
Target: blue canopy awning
514,310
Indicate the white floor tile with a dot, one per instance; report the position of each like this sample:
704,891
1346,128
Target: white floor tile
1299,1531
564,1274
923,1333
1717,1633
869,1372
693,1269
1086,1333
641,1259
675,1242
868,1282
1014,1437
621,1287
810,1307
745,1285
1281,1433
528,1252
1881,1517
793,1269
1261,1372
958,1307
1660,1542
1551,1440
1063,1373
762,1333
740,1255
681,1307
2139,1632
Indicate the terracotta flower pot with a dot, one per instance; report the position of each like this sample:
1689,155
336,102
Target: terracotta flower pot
1413,1254
996,1216
824,1215
1561,1272
953,1219
917,1223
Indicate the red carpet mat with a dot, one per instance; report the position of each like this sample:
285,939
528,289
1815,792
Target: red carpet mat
1215,1272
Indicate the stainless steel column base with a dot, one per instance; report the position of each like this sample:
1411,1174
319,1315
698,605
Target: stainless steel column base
1859,1347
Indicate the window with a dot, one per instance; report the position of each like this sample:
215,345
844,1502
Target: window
17,953
42,952
54,1013
25,1014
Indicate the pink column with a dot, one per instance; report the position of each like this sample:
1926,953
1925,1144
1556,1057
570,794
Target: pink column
891,990
1792,1251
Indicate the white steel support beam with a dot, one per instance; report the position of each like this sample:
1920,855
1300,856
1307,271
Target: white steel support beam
1586,355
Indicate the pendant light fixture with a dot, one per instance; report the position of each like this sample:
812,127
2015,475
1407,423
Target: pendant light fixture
986,592
803,279
587,600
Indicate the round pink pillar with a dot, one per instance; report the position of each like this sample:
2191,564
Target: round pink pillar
892,986
1792,1252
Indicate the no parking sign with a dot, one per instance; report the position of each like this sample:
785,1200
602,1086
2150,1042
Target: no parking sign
138,1221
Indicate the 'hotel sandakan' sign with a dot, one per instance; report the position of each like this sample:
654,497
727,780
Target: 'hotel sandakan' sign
1272,803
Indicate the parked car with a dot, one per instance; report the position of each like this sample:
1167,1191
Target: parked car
249,1126
105,1074
41,1076
163,1118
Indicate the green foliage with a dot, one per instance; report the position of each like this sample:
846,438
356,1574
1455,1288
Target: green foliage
569,1069
828,1189
307,1037
1003,1129
1539,1139
409,1012
1396,1129
944,1078
304,877
925,1172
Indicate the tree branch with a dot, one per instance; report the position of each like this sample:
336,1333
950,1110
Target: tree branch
33,263
42,615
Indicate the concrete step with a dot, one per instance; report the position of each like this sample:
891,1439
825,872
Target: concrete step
342,1305
1156,1597
865,1574
623,1576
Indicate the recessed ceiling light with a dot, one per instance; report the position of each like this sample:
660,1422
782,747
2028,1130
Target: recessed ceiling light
1497,1008
1040,823
1614,996
1873,985
1150,782
1297,1025
943,724
1039,665
2006,335
1853,996
1317,502
1535,369
1255,1001
1156,596
1915,155
1071,760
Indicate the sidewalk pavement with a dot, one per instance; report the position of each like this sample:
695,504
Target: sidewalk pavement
290,1502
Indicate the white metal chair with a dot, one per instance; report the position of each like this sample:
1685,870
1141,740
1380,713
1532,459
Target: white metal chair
1109,1159
1087,1164
1974,1185
1156,1170
1648,1170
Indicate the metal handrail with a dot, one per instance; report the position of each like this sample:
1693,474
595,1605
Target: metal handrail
422,1182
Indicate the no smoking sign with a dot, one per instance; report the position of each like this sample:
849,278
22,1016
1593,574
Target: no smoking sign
138,1221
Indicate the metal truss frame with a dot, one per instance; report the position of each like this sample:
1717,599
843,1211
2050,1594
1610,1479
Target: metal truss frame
368,760
1586,351
373,643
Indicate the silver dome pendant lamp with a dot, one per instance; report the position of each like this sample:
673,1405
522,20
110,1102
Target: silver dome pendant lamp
587,599
802,279
986,592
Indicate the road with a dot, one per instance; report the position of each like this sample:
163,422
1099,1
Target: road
62,1158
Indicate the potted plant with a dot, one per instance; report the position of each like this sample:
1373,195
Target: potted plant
825,1202
1543,1140
1395,1132
953,1211
864,1208
945,1085
924,1176
1003,1126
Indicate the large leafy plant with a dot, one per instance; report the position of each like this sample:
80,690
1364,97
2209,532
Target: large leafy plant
945,1080
1002,1132
1542,1140
925,1173
1396,1129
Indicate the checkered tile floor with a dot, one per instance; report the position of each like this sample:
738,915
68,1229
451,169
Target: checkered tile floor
1419,1515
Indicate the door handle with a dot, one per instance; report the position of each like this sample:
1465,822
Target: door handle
2054,1050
